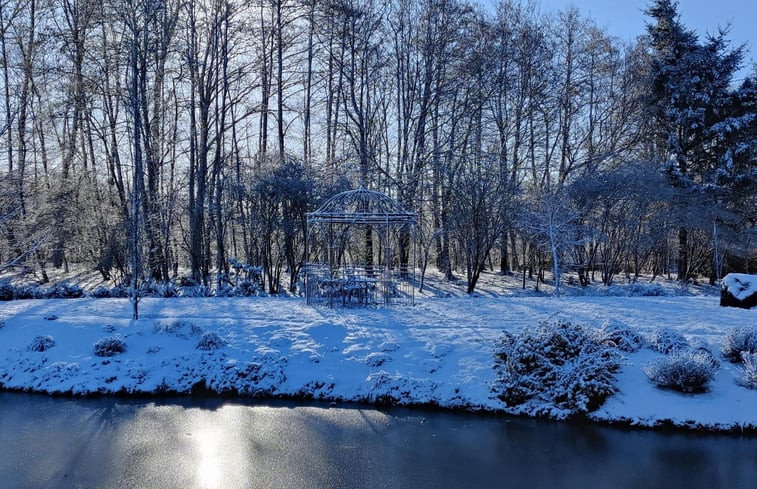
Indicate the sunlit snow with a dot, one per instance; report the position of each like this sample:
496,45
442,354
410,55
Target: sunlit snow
438,352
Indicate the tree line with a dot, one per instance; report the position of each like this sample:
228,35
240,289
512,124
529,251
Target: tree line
145,137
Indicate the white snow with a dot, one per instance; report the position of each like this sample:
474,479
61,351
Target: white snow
439,352
740,285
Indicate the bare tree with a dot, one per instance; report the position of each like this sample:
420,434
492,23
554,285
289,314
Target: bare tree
137,29
478,198
552,218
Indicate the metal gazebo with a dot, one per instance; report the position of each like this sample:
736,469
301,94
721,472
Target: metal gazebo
360,250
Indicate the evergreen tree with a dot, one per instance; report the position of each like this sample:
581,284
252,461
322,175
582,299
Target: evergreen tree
702,126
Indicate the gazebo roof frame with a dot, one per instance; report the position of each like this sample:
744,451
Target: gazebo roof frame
362,206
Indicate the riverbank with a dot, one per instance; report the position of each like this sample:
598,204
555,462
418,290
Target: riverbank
441,352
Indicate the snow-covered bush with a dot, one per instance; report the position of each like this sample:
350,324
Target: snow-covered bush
178,328
687,371
165,290
667,341
21,292
100,292
706,354
617,335
742,339
196,291
109,346
29,292
750,369
377,359
246,271
41,343
638,289
225,290
120,291
6,292
65,291
247,288
210,341
557,369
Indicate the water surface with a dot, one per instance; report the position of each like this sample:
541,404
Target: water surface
48,442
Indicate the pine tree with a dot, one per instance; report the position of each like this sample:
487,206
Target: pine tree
701,126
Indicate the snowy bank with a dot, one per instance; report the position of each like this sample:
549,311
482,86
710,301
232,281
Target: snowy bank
440,352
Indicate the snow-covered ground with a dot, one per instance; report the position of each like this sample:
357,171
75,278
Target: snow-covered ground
438,352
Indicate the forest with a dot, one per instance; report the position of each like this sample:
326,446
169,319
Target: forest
161,141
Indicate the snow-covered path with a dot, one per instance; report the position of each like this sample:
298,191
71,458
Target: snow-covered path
440,351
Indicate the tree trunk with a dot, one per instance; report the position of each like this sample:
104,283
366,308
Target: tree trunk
683,255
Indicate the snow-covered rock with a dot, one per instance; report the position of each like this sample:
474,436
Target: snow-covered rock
739,290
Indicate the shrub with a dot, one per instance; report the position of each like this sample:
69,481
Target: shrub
750,369
166,290
666,341
247,288
178,327
65,291
100,293
27,292
210,341
377,359
196,291
225,290
120,291
706,354
739,340
638,289
7,292
617,335
170,327
41,343
687,371
109,346
557,369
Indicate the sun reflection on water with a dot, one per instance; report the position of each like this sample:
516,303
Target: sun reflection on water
209,472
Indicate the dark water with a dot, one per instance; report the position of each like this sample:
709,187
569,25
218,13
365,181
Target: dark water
112,443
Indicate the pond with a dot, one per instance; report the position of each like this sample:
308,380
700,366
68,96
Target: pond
48,442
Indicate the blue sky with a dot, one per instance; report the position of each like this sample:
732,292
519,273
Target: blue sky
626,20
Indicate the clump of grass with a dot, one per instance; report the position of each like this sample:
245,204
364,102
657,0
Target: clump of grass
689,371
109,346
